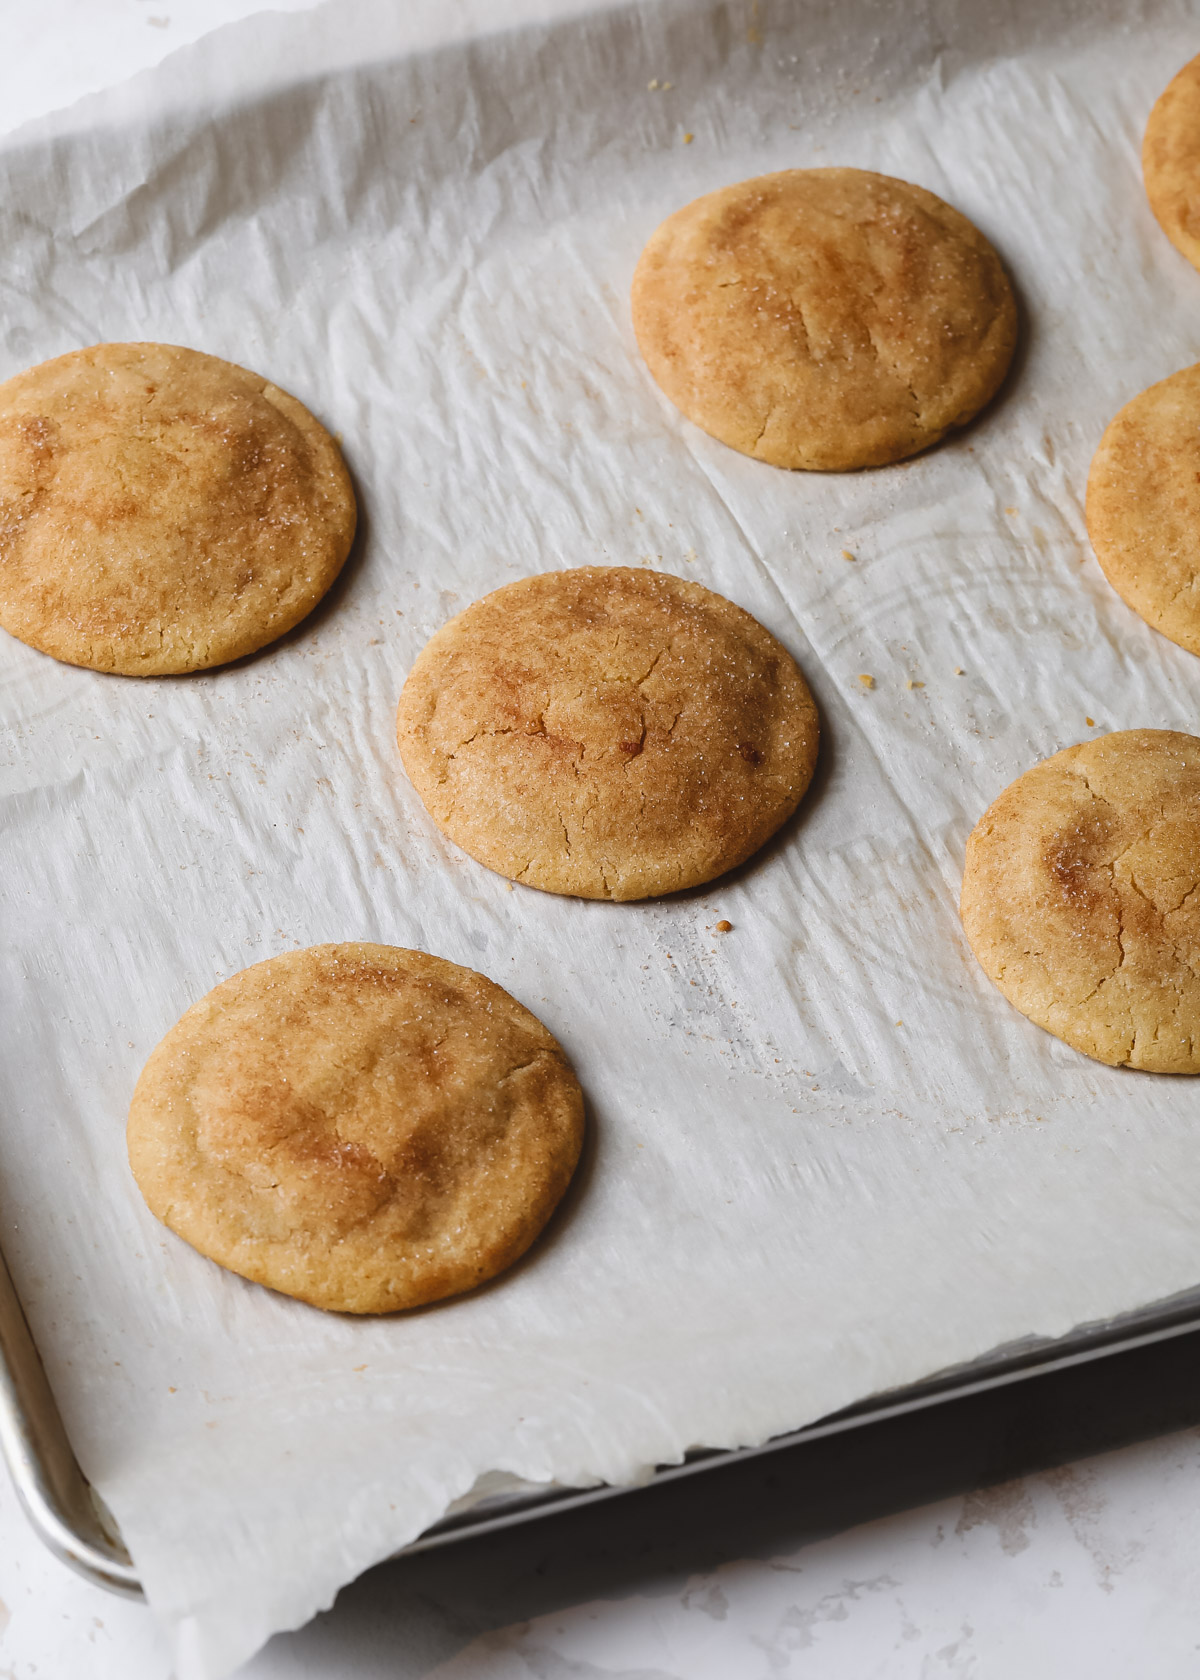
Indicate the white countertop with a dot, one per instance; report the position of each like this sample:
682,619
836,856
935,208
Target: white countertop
1084,1569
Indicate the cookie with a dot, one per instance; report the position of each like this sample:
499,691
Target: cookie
1171,161
1143,506
824,318
1081,898
161,510
362,1127
607,732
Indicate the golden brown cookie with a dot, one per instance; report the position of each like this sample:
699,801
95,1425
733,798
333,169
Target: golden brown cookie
1081,898
1171,161
824,318
1143,506
607,732
161,510
362,1127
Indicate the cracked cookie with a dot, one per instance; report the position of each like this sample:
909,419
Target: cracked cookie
828,319
362,1127
1143,506
161,510
607,732
1081,898
1171,161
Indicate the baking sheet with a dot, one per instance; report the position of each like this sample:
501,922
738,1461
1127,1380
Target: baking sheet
826,1158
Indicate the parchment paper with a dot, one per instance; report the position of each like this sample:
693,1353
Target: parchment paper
826,1156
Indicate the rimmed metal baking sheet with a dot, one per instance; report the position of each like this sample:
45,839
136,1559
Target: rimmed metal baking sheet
69,1519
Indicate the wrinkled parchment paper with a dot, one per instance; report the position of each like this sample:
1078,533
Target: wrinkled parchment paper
826,1157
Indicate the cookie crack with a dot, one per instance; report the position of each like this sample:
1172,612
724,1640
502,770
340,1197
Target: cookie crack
798,306
633,750
1080,771
510,729
1177,952
1118,886
649,672
889,362
1185,588
538,1056
759,434
1185,901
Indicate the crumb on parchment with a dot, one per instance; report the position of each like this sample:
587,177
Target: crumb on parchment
866,680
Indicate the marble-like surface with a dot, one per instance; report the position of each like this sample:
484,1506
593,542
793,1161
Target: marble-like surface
787,1568
55,51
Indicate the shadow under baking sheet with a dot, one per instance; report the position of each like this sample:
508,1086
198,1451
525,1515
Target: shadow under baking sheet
411,1617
